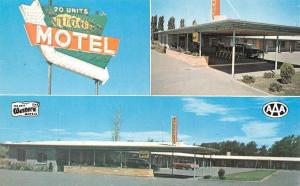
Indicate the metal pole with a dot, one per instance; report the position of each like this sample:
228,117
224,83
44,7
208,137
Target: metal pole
233,53
277,48
49,78
97,87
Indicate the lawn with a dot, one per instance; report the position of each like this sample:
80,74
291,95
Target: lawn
256,175
292,89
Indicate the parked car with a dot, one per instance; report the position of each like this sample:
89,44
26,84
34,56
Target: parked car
185,164
140,163
248,50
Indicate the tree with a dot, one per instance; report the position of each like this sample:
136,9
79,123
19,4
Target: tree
3,151
116,126
161,21
194,23
251,149
171,23
286,147
153,26
181,23
263,151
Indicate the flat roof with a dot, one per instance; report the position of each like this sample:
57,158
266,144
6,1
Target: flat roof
224,157
119,145
245,28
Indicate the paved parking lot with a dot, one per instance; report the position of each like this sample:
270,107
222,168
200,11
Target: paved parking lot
26,178
172,77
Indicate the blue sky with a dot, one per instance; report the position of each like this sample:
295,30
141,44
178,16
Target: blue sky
285,12
24,71
207,119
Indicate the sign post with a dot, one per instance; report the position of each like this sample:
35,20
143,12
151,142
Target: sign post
49,66
49,78
97,87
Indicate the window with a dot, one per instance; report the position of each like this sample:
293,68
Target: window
297,44
21,155
41,157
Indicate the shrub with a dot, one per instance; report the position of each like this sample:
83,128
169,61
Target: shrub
269,75
248,79
287,71
221,174
207,176
275,87
188,52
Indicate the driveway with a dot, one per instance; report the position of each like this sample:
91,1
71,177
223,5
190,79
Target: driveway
173,77
27,178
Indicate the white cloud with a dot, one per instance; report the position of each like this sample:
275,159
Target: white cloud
234,119
201,107
260,132
259,141
57,131
260,129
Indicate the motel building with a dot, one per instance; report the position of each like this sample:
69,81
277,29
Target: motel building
106,157
215,43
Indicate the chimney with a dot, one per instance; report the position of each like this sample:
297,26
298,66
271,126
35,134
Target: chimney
215,9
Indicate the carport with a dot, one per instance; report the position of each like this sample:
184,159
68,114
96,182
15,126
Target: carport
230,28
91,154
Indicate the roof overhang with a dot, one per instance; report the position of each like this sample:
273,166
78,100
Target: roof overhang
224,157
118,146
243,28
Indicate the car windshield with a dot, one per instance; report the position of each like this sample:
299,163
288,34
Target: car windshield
249,46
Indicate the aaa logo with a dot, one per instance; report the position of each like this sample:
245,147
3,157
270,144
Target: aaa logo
275,109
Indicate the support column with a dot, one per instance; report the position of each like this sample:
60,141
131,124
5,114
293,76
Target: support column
177,41
290,46
69,157
210,167
150,160
172,161
276,53
233,53
194,166
121,158
264,46
49,78
203,166
200,43
187,42
94,163
97,87
167,40
104,158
